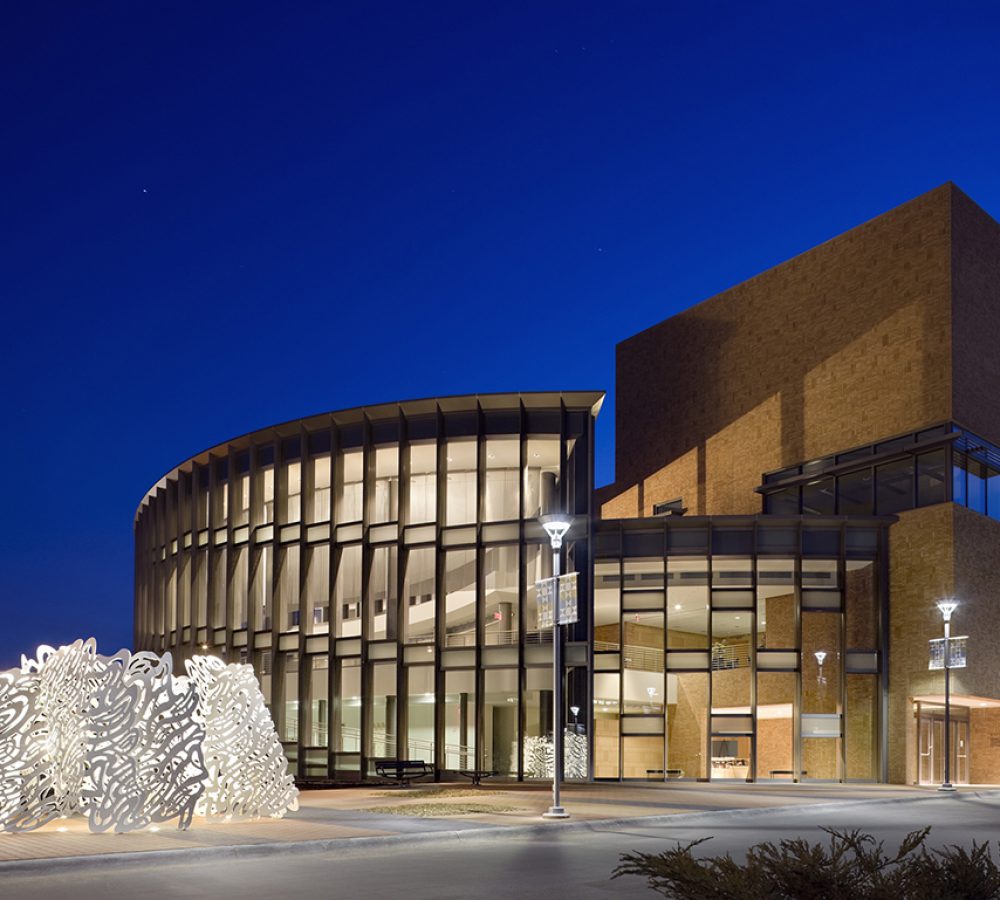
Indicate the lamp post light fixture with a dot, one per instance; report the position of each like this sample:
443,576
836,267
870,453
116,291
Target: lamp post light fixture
946,608
556,526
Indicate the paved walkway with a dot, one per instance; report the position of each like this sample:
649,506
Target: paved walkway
361,812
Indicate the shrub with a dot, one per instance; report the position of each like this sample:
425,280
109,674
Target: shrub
853,866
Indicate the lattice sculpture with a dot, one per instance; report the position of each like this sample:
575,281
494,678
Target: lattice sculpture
124,741
539,755
144,758
47,780
247,770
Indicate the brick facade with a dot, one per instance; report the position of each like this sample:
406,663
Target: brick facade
842,345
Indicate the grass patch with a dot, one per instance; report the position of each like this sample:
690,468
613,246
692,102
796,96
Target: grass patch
441,793
439,810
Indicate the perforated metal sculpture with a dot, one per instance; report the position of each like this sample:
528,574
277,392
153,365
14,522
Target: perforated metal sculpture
127,743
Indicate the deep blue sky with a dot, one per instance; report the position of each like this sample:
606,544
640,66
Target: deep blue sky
218,216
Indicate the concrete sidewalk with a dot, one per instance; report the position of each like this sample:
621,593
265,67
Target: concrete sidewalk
370,812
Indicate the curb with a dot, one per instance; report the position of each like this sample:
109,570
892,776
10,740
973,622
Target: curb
247,851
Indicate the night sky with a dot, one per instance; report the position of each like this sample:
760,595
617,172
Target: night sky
219,216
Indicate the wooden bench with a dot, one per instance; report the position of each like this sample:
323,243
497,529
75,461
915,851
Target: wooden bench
785,772
663,774
477,775
402,770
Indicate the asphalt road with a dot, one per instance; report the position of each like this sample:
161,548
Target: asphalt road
549,863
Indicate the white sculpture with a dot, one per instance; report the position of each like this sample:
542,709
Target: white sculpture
126,742
539,755
144,757
247,770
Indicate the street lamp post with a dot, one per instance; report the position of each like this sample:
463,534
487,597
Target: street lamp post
556,527
947,607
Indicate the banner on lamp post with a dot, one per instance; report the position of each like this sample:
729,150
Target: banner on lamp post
956,653
568,611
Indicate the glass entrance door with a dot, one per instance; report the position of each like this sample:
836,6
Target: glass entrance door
930,745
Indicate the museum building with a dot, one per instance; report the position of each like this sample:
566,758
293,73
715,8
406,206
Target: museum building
804,464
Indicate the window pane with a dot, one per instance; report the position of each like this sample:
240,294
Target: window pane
382,744
606,724
642,660
687,725
854,493
503,464
289,703
931,487
993,493
894,486
775,732
459,720
423,483
288,588
541,476
976,485
460,482
420,713
776,603
349,486
382,605
316,602
347,592
538,565
318,706
385,507
819,497
220,578
538,724
292,508
731,673
819,573
418,596
821,662
642,756
500,574
958,478
261,598
240,586
500,713
732,572
264,487
347,731
861,727
318,505
460,598
782,503
687,603
607,605
861,597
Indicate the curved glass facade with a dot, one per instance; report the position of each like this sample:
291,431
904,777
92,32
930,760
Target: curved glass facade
377,568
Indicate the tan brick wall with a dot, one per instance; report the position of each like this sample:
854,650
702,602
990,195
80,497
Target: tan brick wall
936,552
984,746
977,588
976,318
921,572
845,344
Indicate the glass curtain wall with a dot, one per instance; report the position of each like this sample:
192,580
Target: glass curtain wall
740,654
388,563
